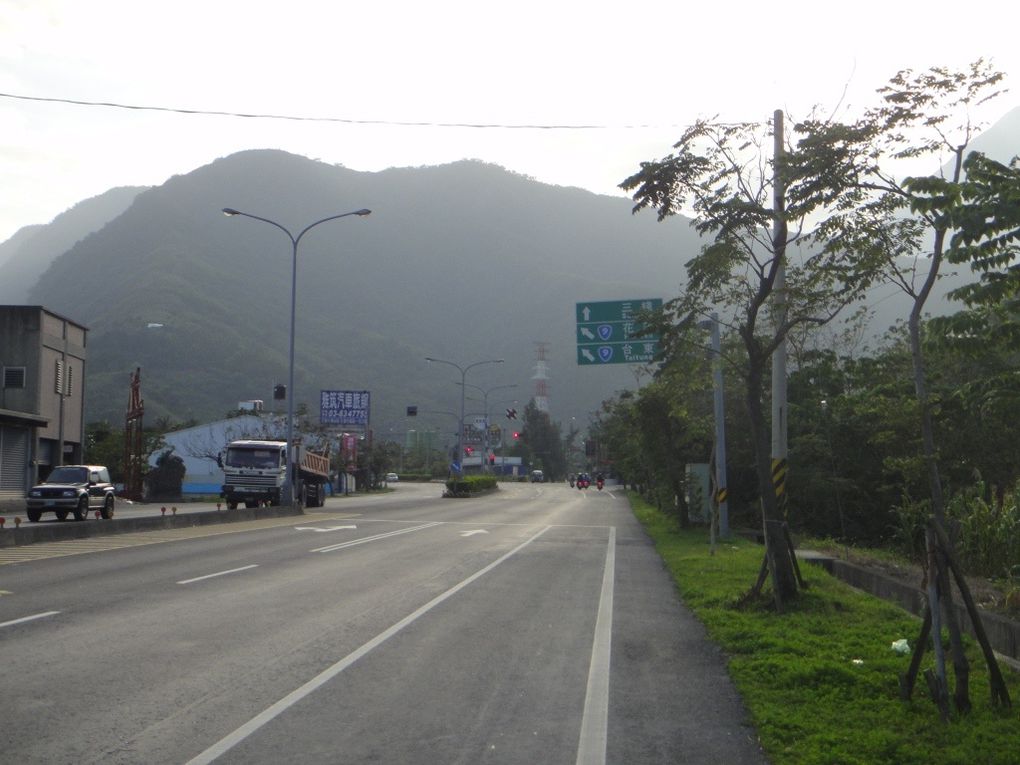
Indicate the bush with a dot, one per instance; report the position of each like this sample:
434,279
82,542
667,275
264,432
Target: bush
465,486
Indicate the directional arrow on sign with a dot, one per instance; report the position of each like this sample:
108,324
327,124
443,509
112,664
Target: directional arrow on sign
587,354
473,532
587,333
330,528
586,312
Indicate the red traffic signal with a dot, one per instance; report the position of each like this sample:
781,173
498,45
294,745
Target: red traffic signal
517,434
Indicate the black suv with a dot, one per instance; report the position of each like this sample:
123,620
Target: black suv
72,489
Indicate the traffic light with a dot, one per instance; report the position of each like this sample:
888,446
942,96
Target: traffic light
517,435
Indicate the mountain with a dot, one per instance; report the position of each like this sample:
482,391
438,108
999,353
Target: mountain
463,262
27,254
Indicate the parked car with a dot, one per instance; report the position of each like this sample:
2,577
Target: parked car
537,476
72,489
392,478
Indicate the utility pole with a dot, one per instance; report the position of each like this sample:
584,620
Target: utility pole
720,432
779,405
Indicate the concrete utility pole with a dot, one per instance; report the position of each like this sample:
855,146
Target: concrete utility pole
779,405
720,432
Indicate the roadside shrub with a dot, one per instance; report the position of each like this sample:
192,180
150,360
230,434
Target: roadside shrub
988,537
465,486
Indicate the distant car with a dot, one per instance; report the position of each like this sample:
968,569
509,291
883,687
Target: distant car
537,476
392,478
72,489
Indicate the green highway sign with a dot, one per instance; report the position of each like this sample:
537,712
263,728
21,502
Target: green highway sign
608,332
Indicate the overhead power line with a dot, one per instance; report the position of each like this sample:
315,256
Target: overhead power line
345,120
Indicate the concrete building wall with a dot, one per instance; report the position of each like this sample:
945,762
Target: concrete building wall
42,392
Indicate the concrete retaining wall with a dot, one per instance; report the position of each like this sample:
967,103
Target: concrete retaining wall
1003,633
30,533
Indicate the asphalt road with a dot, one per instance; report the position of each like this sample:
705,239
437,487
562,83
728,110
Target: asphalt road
534,625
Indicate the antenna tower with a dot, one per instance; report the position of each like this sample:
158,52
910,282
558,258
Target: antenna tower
541,377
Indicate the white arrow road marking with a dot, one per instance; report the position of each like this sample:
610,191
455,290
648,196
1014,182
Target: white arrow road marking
28,618
473,532
328,528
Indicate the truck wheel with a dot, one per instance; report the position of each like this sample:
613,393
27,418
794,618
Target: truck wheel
35,515
107,511
61,515
231,505
82,510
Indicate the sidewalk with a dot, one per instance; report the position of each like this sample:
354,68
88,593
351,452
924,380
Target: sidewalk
669,686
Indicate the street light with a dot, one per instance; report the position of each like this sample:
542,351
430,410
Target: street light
485,406
463,379
288,488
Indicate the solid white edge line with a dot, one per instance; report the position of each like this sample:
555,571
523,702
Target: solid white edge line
24,619
218,573
231,740
591,744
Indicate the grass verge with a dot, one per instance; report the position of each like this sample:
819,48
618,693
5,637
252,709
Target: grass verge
821,681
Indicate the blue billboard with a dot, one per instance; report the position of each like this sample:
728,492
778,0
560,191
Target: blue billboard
344,407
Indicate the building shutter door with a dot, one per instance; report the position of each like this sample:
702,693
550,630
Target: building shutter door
13,460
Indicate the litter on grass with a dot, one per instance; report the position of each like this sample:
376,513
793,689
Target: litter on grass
901,646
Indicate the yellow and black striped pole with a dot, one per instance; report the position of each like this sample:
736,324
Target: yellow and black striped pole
779,482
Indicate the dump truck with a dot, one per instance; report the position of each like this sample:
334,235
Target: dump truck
254,473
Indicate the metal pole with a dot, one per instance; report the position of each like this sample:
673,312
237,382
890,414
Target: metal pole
288,487
463,384
460,431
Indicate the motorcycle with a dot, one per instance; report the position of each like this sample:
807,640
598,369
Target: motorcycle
600,483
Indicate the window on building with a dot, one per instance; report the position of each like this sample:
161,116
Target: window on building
14,377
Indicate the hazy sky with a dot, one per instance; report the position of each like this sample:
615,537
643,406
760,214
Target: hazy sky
633,73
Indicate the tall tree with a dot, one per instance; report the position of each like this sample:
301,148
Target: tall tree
720,174
922,116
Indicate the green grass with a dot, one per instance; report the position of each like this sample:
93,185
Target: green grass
821,680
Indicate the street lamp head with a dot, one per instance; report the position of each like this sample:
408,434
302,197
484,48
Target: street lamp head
363,212
228,211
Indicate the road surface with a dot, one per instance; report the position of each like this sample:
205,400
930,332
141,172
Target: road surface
533,625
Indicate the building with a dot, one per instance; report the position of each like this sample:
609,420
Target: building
42,398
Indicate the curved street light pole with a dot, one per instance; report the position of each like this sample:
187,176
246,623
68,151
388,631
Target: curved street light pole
463,378
288,488
485,409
